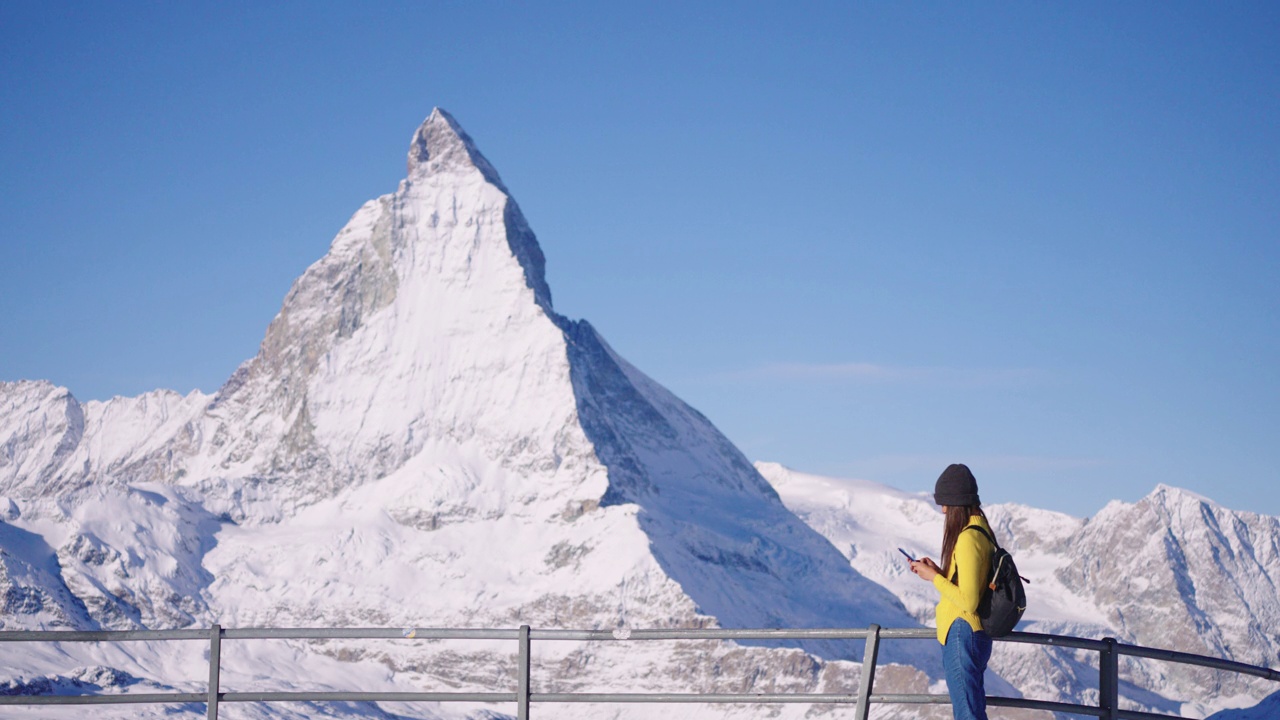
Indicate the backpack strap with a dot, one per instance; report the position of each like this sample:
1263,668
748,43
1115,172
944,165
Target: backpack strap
984,531
994,545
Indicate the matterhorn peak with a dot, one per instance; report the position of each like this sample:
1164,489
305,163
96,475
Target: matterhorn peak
419,430
441,145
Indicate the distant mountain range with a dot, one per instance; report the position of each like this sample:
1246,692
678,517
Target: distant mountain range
1173,570
423,441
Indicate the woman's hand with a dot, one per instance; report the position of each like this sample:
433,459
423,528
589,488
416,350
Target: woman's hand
925,568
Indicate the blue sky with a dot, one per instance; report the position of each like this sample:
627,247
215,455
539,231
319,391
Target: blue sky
866,240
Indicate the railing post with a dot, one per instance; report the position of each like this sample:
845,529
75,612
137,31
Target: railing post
215,668
868,672
522,676
1109,681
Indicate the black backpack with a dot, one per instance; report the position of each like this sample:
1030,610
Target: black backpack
1003,603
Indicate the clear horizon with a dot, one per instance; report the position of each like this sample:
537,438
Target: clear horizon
865,241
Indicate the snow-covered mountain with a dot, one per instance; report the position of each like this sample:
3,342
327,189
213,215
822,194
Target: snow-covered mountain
421,440
1173,570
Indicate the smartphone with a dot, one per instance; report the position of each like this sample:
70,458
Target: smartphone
904,552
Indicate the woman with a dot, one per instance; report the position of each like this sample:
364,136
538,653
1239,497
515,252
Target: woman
961,580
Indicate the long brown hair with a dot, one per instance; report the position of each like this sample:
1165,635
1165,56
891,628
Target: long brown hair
956,520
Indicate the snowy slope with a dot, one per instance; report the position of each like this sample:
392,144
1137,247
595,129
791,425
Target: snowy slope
1268,709
1174,571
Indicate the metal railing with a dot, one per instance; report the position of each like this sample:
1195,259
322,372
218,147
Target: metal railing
1108,649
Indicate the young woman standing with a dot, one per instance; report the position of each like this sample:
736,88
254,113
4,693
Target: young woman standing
961,580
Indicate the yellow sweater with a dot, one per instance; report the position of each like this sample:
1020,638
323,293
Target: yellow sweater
971,568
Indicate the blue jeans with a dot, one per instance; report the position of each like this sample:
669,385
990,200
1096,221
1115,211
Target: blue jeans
965,658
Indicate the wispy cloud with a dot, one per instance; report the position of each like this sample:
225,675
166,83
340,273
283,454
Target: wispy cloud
882,465
875,373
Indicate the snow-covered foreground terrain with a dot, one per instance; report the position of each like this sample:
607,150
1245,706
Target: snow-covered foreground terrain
422,441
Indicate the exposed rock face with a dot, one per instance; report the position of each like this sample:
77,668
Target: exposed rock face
52,445
32,593
43,426
1193,573
1176,571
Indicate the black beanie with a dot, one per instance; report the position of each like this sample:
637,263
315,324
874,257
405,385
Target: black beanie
956,486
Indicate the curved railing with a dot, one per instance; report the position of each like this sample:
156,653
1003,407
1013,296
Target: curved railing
523,696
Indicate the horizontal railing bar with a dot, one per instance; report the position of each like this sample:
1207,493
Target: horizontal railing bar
1059,707
99,635
798,698
1054,640
1023,703
909,633
266,696
707,634
1201,660
137,698
690,698
910,699
800,634
1139,715
367,634
366,697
